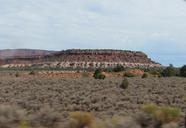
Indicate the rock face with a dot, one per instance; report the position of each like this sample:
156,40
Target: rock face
77,58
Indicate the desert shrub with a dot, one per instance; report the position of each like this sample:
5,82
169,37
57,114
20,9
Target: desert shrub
119,122
124,84
161,115
150,109
98,74
11,117
24,124
169,71
82,120
118,68
183,71
145,75
155,69
168,115
46,117
101,76
144,120
17,74
78,71
156,73
129,74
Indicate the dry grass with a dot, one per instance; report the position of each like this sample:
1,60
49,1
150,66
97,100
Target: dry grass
81,120
104,98
159,116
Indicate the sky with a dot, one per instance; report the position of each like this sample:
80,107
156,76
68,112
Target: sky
156,27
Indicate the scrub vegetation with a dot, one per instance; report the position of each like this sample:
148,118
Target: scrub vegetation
52,102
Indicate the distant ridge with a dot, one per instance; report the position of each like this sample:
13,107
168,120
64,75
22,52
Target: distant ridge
23,53
76,58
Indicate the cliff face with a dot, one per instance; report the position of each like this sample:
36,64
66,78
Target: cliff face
76,58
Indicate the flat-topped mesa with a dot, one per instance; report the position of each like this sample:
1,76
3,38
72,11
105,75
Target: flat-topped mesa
105,55
87,58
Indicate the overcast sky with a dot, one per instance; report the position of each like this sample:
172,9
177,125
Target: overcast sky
157,27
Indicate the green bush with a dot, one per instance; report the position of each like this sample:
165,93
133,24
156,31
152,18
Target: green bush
169,71
98,74
145,75
124,84
17,74
183,71
118,68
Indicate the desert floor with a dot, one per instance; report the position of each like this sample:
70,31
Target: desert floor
102,97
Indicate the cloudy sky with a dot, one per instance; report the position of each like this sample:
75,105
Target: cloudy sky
157,27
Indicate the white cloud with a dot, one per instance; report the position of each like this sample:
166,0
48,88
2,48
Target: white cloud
124,24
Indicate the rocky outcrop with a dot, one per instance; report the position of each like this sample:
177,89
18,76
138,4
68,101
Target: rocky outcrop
77,58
